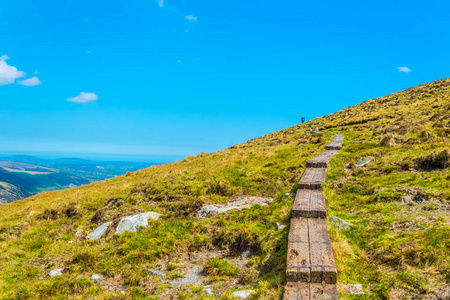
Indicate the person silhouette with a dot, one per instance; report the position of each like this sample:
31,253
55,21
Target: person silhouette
303,119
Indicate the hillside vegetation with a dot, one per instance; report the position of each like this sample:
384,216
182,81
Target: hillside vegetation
399,247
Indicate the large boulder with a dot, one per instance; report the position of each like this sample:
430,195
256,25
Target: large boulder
99,231
132,223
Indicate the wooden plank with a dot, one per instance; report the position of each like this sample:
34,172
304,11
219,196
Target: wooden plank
336,143
306,179
323,266
327,292
318,204
319,178
322,160
297,291
312,178
298,258
309,204
309,291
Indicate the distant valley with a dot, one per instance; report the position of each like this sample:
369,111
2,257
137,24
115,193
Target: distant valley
22,176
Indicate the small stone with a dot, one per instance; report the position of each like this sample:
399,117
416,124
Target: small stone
99,231
339,223
155,273
132,223
55,272
363,161
290,194
208,290
79,233
96,277
70,242
242,294
353,289
280,226
208,211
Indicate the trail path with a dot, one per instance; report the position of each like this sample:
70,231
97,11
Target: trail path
311,269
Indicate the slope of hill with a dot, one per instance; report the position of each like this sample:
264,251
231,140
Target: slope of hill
398,248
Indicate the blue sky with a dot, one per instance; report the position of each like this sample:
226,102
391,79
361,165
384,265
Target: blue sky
154,78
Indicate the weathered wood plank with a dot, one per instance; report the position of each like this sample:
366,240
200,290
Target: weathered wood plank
312,178
298,258
309,204
297,291
319,178
322,160
327,292
323,266
309,291
336,143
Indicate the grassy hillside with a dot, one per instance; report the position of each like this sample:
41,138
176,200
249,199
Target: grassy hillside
399,247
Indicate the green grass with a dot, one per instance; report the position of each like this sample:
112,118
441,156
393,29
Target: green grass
398,248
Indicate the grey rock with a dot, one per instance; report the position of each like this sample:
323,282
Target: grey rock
132,223
243,202
55,272
290,194
155,273
208,211
208,290
364,161
79,233
99,231
242,294
96,277
70,242
353,289
280,226
339,223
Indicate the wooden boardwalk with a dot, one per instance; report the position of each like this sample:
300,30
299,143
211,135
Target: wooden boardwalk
311,270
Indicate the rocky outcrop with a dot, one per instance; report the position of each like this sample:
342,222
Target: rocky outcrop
243,202
132,223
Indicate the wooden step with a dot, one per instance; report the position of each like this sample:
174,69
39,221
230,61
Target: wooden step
310,255
298,266
309,291
336,143
322,160
309,204
323,266
312,179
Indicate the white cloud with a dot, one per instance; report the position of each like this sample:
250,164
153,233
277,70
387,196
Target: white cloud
404,69
36,72
8,74
160,3
83,98
191,18
30,81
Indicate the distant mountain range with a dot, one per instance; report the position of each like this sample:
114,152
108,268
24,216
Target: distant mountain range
22,176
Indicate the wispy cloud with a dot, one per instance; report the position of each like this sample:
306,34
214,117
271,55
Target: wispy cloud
33,81
8,74
83,98
160,3
191,18
404,69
